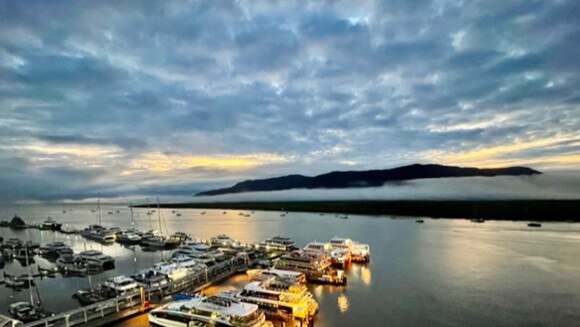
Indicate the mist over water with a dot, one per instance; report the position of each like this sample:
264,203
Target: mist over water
551,185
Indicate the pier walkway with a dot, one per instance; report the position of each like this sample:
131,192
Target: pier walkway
112,310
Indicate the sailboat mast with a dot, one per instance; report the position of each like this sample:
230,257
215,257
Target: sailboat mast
29,275
99,208
159,214
149,214
132,220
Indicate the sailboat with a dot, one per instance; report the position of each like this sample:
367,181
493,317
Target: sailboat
156,239
26,311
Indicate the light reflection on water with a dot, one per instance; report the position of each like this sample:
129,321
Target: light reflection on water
440,273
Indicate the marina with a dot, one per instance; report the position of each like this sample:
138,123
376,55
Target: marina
195,265
387,277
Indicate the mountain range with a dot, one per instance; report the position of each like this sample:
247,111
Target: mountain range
366,178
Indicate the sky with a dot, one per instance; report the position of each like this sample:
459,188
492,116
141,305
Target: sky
132,98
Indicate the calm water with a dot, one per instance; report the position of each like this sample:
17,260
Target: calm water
440,273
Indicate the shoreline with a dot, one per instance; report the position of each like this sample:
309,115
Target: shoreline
520,210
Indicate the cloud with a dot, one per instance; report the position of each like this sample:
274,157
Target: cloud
217,91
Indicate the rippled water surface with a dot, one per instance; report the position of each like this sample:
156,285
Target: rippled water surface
440,273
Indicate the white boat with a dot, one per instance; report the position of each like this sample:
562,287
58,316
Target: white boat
128,237
121,285
186,262
361,252
150,278
278,243
317,248
97,258
208,311
225,241
172,270
294,299
286,276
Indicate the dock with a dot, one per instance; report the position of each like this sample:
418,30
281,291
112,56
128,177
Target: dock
113,310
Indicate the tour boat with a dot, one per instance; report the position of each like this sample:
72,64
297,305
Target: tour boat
278,243
208,311
293,299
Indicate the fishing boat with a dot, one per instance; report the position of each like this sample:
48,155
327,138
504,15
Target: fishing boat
50,224
209,311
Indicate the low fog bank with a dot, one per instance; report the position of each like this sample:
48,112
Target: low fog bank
551,185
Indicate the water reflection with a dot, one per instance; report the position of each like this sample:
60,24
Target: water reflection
342,301
366,275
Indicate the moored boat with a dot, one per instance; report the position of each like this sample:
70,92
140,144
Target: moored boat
208,311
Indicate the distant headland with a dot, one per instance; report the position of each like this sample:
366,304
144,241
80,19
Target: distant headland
366,178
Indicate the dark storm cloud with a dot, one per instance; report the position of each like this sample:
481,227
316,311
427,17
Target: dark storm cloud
91,91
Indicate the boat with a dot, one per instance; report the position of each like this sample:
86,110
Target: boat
419,221
93,295
209,311
317,248
54,250
360,253
224,241
18,223
121,285
285,276
97,258
293,299
50,224
478,220
24,311
536,225
105,236
188,263
13,243
278,243
128,238
24,255
316,268
150,278
14,282
172,270
71,265
4,223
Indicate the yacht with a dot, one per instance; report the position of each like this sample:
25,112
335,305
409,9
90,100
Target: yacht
104,236
121,285
172,270
209,311
97,258
287,276
69,229
13,243
93,295
293,299
187,262
278,243
316,268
